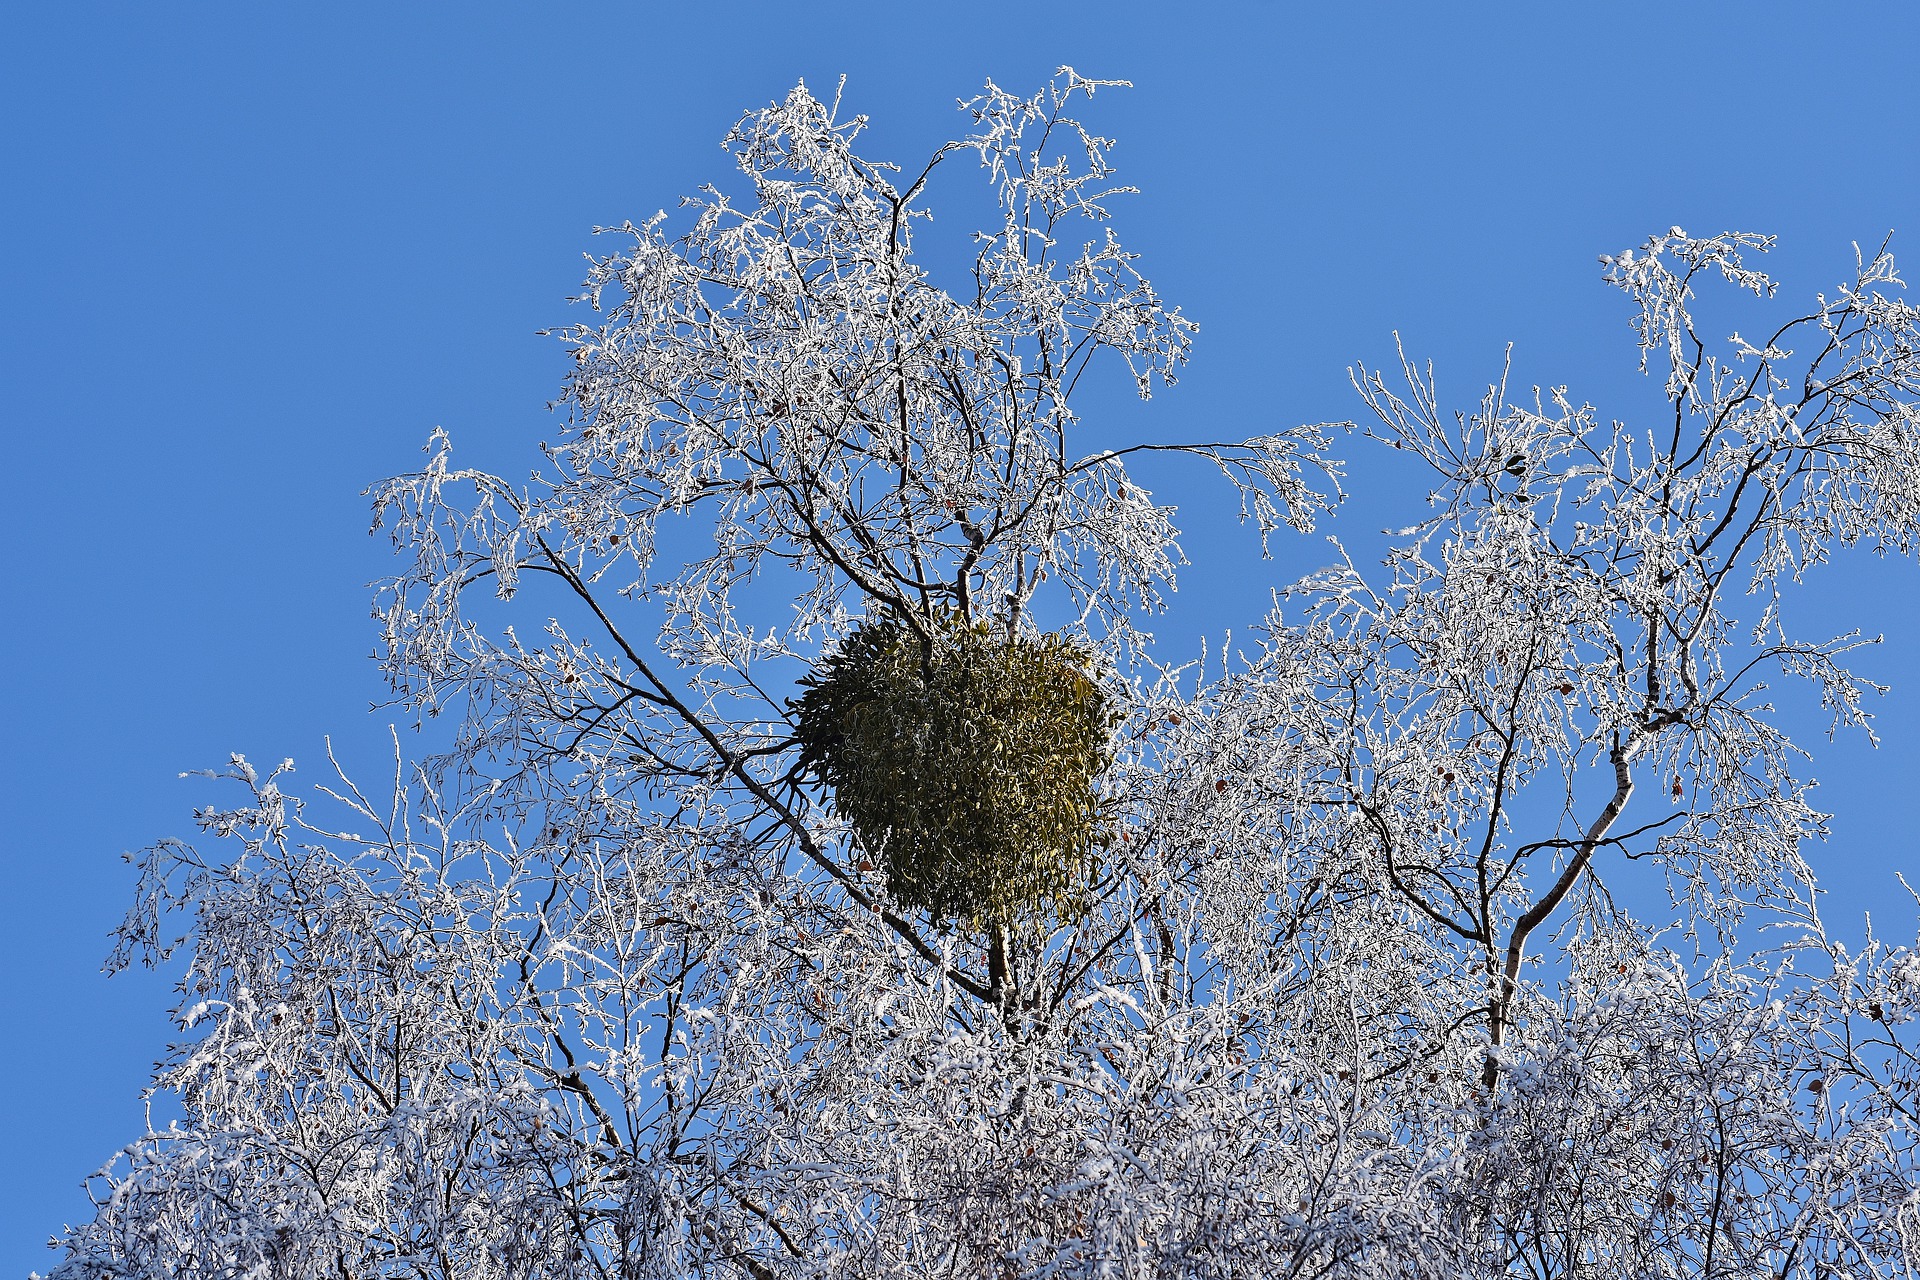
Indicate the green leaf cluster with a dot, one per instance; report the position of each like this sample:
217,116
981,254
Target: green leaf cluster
966,761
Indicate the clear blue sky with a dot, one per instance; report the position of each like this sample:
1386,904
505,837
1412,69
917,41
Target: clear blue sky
252,254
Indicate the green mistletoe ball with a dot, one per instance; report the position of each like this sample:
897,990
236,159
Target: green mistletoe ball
966,762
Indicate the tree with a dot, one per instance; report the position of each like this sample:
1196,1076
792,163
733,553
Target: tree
611,988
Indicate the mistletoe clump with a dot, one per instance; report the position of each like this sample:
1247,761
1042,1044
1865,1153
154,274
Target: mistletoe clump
965,759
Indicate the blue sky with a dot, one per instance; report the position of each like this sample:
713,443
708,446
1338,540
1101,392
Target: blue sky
252,255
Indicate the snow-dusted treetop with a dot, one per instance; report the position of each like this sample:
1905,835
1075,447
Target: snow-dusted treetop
604,990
